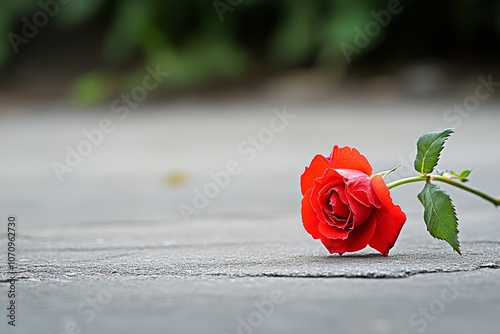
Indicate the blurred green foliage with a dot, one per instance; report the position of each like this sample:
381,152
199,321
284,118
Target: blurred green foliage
189,39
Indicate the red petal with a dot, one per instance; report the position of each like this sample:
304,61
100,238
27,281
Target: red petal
389,218
360,188
332,232
359,194
357,240
344,157
316,169
349,158
321,201
322,185
309,217
340,208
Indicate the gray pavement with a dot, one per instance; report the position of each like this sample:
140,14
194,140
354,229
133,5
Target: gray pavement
107,250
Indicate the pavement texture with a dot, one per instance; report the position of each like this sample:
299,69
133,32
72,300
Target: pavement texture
108,251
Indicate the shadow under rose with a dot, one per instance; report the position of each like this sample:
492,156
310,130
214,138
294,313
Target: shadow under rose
354,256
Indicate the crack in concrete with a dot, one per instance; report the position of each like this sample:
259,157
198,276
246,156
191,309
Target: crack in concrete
363,275
371,275
14,279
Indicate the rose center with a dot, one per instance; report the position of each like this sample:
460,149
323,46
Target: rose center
338,208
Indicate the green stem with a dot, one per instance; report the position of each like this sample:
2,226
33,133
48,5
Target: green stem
407,180
495,201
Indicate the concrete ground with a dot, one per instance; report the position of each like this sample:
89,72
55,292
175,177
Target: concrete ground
107,249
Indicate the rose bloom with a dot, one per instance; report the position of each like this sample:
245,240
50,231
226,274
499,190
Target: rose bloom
347,207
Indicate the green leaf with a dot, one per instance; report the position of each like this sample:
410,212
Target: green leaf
429,147
439,215
463,176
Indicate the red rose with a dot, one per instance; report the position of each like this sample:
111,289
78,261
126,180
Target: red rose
346,206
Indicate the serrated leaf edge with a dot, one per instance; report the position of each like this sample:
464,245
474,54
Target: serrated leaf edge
448,133
435,212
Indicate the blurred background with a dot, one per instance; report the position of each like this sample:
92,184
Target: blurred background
86,52
374,74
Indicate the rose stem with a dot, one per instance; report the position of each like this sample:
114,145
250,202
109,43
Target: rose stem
495,201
